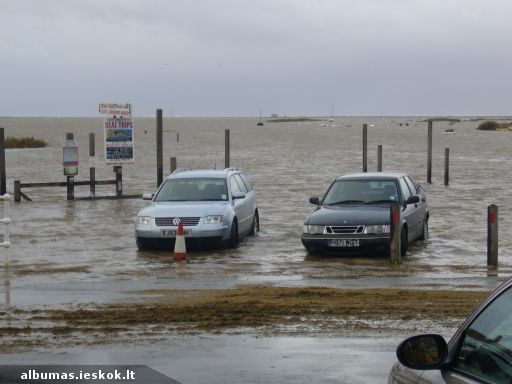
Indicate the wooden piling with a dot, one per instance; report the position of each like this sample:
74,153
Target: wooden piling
159,148
379,158
173,164
492,235
70,187
118,170
395,256
17,191
92,164
446,166
3,186
227,149
178,137
365,147
429,155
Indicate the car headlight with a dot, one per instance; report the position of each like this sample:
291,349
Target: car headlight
313,229
146,220
214,219
377,229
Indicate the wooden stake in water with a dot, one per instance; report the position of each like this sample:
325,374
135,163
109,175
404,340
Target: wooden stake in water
429,155
159,148
492,235
446,166
379,158
365,147
226,148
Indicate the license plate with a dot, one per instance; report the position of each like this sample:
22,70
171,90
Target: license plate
343,243
172,232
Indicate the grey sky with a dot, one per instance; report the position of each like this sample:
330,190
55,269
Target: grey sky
229,57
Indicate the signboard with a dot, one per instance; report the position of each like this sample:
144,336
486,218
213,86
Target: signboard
116,110
118,141
70,158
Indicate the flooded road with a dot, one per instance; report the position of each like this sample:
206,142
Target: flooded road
84,251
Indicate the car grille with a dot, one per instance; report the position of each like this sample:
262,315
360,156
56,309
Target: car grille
349,229
168,221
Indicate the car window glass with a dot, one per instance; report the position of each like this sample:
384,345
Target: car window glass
241,183
486,350
234,185
405,189
411,185
361,192
246,182
192,189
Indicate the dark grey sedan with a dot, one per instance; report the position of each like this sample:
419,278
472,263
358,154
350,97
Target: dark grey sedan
353,216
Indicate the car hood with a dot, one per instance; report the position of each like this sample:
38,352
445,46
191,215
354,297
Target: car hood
185,209
349,215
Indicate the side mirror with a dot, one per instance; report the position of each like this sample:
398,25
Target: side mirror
314,200
423,352
147,196
238,195
413,200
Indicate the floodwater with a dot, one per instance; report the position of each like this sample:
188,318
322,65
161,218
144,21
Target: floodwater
84,251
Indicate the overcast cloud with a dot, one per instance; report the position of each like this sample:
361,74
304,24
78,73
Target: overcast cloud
229,57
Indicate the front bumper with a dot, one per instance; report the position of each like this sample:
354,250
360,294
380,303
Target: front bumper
219,231
372,245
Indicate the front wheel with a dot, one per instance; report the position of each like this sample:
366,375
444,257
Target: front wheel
233,235
255,224
424,234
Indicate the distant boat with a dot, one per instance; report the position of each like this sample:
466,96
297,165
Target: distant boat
260,123
450,130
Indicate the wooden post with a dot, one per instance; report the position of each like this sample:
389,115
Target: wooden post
173,164
178,137
3,187
429,156
17,191
365,147
119,180
70,187
92,164
395,256
379,158
492,235
446,166
226,148
159,148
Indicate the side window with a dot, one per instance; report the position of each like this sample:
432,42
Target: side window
246,182
411,185
241,183
405,189
234,185
486,350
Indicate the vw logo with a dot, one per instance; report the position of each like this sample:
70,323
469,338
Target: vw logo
176,221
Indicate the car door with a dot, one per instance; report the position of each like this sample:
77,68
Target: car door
240,205
410,212
251,195
422,205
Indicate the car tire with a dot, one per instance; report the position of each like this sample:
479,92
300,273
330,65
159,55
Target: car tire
403,241
233,235
424,234
255,224
141,244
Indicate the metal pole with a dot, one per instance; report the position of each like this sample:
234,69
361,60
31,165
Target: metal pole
429,158
3,188
159,148
492,235
395,256
379,158
446,166
92,164
226,148
365,148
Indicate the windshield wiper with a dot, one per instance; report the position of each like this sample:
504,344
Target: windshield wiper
347,202
381,201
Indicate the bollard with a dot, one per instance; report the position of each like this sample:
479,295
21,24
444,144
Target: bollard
429,154
446,166
379,158
159,148
365,147
395,256
226,149
492,235
173,164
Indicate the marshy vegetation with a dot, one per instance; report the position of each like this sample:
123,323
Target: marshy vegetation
24,142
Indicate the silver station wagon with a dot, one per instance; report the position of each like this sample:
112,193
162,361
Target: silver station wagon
215,207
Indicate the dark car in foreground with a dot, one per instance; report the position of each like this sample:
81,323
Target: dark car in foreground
479,352
354,214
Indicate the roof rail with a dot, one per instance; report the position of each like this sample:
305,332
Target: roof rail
231,169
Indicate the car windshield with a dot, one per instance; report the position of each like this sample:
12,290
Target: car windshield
361,192
193,189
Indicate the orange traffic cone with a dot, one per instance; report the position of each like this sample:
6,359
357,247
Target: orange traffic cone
180,251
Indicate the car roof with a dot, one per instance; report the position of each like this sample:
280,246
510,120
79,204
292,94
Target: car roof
214,173
372,176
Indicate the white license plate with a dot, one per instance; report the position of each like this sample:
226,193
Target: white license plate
343,243
172,232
